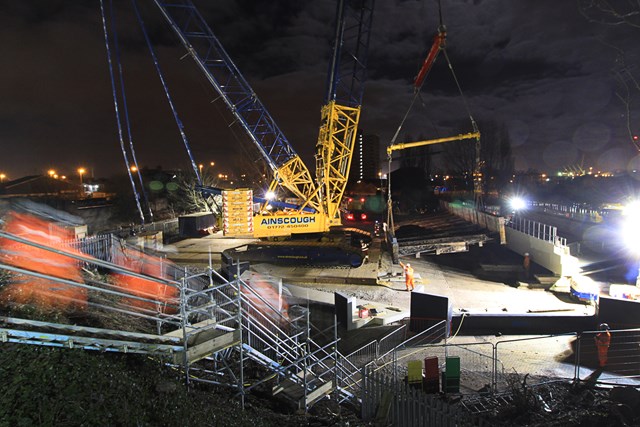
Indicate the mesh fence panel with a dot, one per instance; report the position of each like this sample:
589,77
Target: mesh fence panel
476,362
543,358
619,363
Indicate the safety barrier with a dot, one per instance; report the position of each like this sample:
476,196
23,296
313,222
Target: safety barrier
380,355
389,402
391,341
541,358
615,364
363,355
100,247
168,227
575,211
388,397
536,229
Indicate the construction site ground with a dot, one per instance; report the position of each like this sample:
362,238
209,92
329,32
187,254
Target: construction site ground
488,279
117,389
465,278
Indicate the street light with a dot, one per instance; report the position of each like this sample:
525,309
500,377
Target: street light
2,177
200,166
51,172
81,172
133,169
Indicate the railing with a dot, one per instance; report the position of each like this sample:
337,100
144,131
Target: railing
542,357
576,211
536,229
391,341
396,403
99,246
203,301
122,301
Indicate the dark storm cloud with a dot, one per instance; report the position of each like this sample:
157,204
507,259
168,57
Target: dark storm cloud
538,68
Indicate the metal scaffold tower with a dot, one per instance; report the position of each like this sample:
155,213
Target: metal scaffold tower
208,326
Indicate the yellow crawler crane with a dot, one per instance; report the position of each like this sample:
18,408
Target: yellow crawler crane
320,198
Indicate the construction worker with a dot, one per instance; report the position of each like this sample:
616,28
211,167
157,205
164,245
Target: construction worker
603,340
365,251
526,265
408,276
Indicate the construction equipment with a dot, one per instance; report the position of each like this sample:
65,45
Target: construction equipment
320,198
340,116
405,145
439,43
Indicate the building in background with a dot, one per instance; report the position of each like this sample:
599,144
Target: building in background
365,163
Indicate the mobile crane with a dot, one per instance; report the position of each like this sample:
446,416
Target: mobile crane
319,211
438,45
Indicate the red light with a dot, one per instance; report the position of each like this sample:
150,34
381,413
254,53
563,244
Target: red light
362,200
635,137
350,216
350,200
363,216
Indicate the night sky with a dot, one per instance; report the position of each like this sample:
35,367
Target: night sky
538,68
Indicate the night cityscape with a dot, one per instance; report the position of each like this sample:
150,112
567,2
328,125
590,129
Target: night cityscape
331,213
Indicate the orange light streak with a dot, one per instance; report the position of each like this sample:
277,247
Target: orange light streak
40,292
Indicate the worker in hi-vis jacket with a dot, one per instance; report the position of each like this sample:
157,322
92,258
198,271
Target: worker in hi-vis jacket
408,276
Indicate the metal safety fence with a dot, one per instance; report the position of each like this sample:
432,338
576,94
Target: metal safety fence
574,211
536,229
541,358
612,361
557,357
100,246
389,402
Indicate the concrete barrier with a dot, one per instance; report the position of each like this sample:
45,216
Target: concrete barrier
485,220
551,255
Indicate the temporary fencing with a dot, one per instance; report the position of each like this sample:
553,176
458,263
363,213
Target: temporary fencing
199,303
391,341
621,360
541,358
100,246
389,402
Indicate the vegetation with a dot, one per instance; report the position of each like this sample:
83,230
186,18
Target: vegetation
64,387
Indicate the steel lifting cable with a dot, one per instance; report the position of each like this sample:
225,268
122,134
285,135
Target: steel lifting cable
115,104
464,99
125,109
166,92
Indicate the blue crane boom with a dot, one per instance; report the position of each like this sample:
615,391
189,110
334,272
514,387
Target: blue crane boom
340,113
224,76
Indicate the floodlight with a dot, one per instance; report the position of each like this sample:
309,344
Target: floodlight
517,203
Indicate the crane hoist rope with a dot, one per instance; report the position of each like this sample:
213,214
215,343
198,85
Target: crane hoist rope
165,87
115,103
439,44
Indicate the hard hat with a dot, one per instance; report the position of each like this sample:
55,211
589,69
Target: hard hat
604,326
408,265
